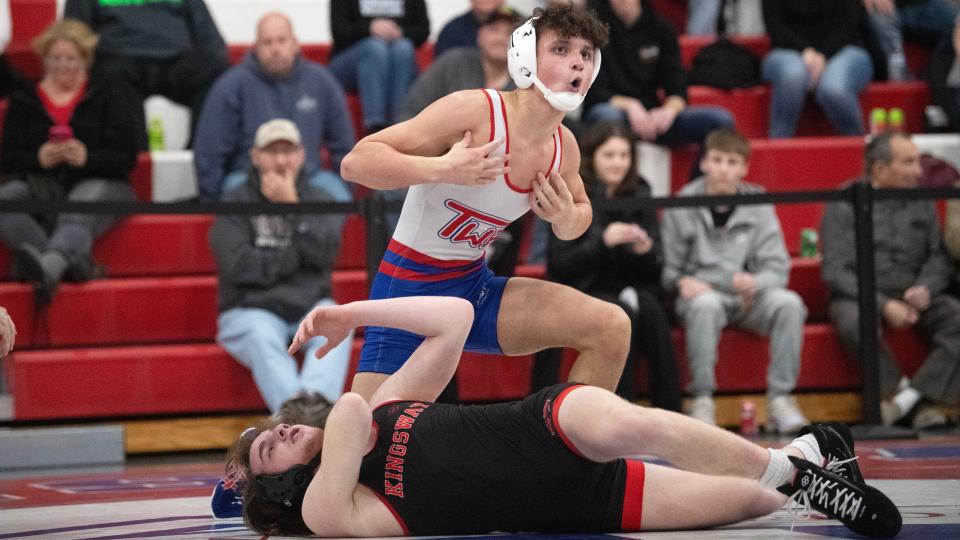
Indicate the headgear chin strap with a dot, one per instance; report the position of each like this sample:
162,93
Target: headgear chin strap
289,487
522,65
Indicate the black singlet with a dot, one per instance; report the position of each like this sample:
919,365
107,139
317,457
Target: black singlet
454,469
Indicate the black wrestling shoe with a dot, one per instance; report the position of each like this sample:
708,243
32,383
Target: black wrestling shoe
862,508
836,445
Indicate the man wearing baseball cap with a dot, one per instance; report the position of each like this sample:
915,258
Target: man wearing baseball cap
273,269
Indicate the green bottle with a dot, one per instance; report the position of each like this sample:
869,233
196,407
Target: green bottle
878,120
895,119
155,135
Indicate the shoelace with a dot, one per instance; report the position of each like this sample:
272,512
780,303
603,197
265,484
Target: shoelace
835,464
800,500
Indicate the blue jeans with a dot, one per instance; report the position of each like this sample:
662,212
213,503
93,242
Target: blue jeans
381,72
691,126
837,93
702,16
934,18
258,339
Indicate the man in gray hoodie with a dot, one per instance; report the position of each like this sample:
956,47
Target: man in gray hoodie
273,269
728,266
273,81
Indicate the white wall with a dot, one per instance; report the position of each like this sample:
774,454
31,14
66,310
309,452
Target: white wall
311,18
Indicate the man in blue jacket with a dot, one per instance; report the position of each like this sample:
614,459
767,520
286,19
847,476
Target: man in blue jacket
272,81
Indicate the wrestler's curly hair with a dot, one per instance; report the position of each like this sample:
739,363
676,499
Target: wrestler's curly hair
569,20
259,513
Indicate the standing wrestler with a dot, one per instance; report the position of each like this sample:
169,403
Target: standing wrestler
475,161
553,462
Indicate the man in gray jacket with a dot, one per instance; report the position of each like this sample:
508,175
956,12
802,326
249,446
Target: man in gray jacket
275,268
912,273
728,266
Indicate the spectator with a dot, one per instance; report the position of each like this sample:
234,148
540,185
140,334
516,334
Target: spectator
273,269
928,20
620,257
482,66
273,81
168,48
10,80
8,333
945,80
643,59
67,137
816,47
461,31
912,273
724,17
374,44
729,266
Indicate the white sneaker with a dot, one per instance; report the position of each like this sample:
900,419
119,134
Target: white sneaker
784,415
702,408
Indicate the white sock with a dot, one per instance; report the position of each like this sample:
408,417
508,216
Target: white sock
906,399
809,447
778,470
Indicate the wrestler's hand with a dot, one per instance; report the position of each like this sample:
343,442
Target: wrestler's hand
332,322
474,166
551,200
8,333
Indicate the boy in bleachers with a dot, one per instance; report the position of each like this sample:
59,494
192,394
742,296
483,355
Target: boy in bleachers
912,273
729,267
273,81
273,269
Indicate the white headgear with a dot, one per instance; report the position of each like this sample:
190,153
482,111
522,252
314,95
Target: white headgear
522,64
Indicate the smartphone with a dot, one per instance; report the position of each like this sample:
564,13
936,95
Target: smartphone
60,133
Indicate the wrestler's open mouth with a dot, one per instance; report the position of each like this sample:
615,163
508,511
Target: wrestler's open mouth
575,84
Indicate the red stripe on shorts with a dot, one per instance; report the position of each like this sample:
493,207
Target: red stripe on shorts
633,496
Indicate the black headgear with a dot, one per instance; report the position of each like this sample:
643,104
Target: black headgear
289,487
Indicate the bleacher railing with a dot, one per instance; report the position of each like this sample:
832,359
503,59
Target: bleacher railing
374,209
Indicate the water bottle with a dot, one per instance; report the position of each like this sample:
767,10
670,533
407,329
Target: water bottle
878,120
808,243
748,419
895,119
155,135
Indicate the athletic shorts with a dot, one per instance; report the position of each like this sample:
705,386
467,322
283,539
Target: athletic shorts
386,349
609,496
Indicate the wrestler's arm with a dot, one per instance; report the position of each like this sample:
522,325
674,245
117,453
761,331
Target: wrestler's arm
431,147
334,504
444,321
572,212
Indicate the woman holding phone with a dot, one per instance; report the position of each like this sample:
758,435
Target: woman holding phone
67,137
